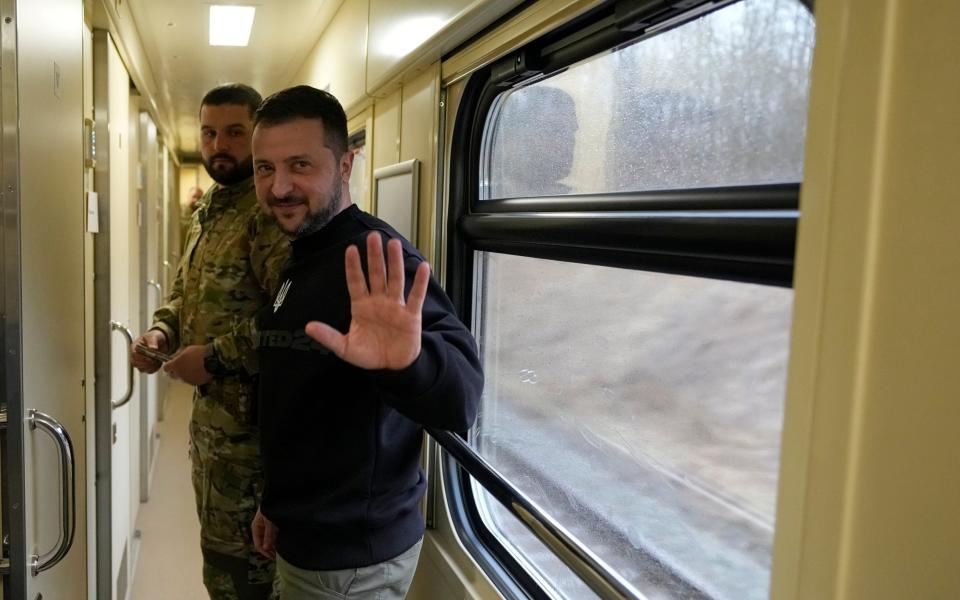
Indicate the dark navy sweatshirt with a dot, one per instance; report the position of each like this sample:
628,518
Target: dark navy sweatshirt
340,444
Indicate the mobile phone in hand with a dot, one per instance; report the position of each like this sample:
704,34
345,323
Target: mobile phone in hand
152,353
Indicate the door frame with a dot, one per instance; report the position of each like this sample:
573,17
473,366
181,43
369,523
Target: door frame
11,367
103,413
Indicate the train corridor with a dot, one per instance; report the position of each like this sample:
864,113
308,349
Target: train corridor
169,563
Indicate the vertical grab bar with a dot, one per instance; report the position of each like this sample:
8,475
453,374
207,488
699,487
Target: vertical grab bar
68,474
117,326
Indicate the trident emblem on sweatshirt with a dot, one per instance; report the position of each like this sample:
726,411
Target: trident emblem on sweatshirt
282,294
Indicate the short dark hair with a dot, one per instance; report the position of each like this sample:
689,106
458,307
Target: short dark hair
233,93
305,102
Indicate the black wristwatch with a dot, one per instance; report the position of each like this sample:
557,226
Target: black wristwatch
212,364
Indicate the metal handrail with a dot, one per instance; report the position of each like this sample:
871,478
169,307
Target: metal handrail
157,286
117,326
594,572
68,471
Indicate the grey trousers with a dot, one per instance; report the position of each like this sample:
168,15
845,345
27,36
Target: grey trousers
388,580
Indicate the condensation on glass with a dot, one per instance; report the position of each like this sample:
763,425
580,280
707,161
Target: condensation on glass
641,410
720,101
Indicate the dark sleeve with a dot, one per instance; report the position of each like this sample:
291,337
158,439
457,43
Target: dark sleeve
442,388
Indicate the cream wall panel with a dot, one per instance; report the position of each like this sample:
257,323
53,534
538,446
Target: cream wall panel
870,479
525,26
441,574
386,131
49,43
419,115
905,528
116,17
338,62
399,28
407,36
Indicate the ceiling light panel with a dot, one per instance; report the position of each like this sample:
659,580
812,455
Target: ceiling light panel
231,25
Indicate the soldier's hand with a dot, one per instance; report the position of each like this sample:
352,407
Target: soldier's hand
264,535
155,339
187,365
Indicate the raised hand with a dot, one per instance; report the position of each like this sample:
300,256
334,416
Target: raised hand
384,329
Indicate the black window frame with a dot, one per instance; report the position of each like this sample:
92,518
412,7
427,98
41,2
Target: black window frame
736,233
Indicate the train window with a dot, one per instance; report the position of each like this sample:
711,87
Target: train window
720,101
641,410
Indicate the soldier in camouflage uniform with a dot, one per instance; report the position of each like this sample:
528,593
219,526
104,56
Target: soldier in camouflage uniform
232,259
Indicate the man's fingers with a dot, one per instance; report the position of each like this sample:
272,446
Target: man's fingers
328,336
257,529
376,269
395,270
170,367
356,284
418,291
269,538
146,365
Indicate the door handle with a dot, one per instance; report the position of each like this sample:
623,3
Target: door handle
68,482
117,326
157,286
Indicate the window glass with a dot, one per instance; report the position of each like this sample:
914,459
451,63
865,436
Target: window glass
719,101
642,411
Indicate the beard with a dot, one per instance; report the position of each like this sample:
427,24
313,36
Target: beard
230,174
314,221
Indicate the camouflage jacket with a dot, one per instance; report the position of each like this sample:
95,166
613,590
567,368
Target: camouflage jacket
232,259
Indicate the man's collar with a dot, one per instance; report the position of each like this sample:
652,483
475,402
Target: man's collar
232,194
239,195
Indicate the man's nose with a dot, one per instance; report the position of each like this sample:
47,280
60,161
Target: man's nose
220,143
281,185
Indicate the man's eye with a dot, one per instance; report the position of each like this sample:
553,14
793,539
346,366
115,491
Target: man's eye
264,170
301,164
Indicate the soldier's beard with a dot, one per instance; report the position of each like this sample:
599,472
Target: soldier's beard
314,222
230,174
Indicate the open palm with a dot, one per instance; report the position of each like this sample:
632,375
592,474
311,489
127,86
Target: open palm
384,328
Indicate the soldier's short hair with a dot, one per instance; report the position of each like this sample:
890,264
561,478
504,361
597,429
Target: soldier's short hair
305,102
233,93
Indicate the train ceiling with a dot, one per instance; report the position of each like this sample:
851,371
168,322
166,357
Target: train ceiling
174,34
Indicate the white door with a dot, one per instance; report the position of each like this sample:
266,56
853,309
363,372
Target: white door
152,292
116,320
42,318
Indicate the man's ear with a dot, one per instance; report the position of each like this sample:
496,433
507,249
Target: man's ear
346,166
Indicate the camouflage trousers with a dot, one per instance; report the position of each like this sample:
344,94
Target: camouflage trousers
227,482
